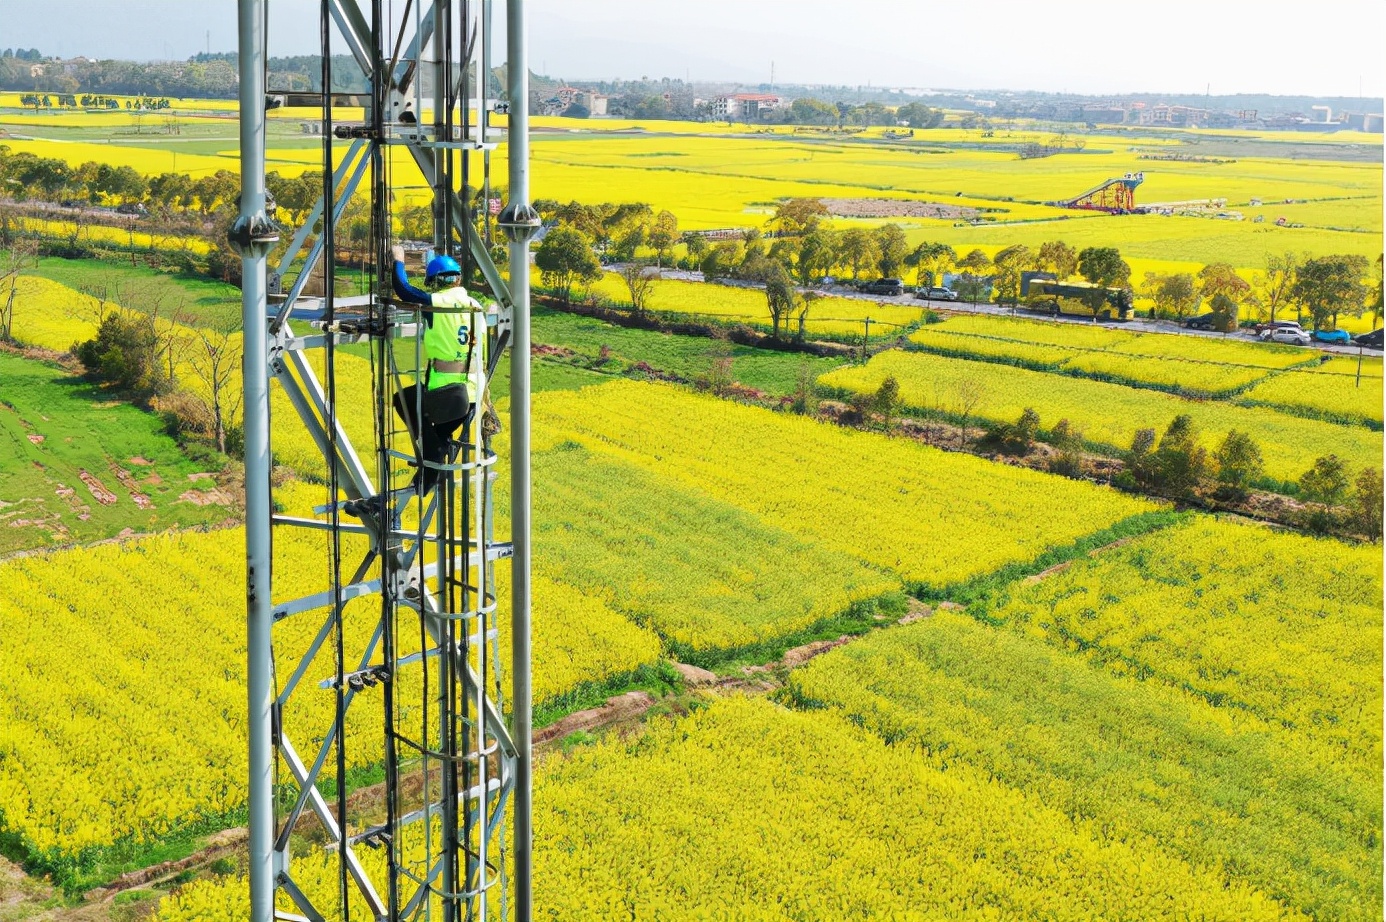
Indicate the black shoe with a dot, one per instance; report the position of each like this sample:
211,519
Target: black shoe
371,510
370,506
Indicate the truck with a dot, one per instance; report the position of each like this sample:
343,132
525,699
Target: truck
1042,292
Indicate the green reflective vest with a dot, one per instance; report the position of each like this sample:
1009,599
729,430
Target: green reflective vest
454,330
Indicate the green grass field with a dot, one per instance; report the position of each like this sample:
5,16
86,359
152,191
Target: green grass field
78,466
687,356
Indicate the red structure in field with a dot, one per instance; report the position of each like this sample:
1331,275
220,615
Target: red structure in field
1115,196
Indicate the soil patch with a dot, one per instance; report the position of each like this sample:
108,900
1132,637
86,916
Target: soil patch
895,208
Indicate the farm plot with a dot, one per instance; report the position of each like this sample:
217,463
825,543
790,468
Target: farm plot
1323,395
1215,785
934,518
150,740
1108,414
767,814
1211,608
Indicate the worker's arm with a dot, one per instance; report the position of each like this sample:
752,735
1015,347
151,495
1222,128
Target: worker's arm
403,290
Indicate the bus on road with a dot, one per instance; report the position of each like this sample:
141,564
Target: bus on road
1040,291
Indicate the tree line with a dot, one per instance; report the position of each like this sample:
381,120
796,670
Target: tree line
90,101
802,248
203,76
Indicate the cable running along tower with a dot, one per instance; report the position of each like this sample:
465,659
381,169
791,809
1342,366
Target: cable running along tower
394,665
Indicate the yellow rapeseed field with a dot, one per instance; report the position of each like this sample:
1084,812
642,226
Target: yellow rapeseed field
1107,414
934,518
746,810
1211,783
1211,608
152,737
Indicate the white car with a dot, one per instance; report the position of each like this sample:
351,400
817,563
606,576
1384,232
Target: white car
1292,335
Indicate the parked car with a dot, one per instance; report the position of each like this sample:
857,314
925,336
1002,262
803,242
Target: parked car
1293,337
1371,340
1274,324
1332,336
891,287
1201,322
936,294
132,208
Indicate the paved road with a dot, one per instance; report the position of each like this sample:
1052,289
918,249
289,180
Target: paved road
1136,326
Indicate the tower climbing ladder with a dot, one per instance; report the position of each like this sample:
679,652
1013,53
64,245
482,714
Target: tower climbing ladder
388,663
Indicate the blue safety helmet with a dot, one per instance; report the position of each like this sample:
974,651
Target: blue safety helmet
442,269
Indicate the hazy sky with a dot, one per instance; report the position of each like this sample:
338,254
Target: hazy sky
1328,47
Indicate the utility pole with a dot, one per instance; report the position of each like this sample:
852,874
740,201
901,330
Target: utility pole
865,337
251,237
519,221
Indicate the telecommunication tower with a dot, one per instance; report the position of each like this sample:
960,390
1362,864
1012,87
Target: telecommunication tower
418,655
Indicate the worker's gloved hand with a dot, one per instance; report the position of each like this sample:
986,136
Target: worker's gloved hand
397,252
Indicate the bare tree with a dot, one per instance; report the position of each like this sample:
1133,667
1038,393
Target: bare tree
968,393
21,255
103,300
639,278
214,358
144,297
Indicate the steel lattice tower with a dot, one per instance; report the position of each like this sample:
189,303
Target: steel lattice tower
453,839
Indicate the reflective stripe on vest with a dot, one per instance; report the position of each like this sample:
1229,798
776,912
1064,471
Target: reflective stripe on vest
448,337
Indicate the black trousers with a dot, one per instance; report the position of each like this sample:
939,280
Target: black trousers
445,410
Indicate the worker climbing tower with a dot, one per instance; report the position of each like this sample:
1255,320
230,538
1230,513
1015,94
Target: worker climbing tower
389,757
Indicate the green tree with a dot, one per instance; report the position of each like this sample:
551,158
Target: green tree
817,255
973,284
1239,462
858,249
1104,266
639,278
930,258
664,231
1009,264
1225,310
808,111
722,259
1069,441
798,216
803,305
1272,286
1174,295
892,248
804,400
1182,463
887,399
1326,482
1366,503
1329,285
918,115
1221,279
1057,257
1141,460
125,354
565,259
780,294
